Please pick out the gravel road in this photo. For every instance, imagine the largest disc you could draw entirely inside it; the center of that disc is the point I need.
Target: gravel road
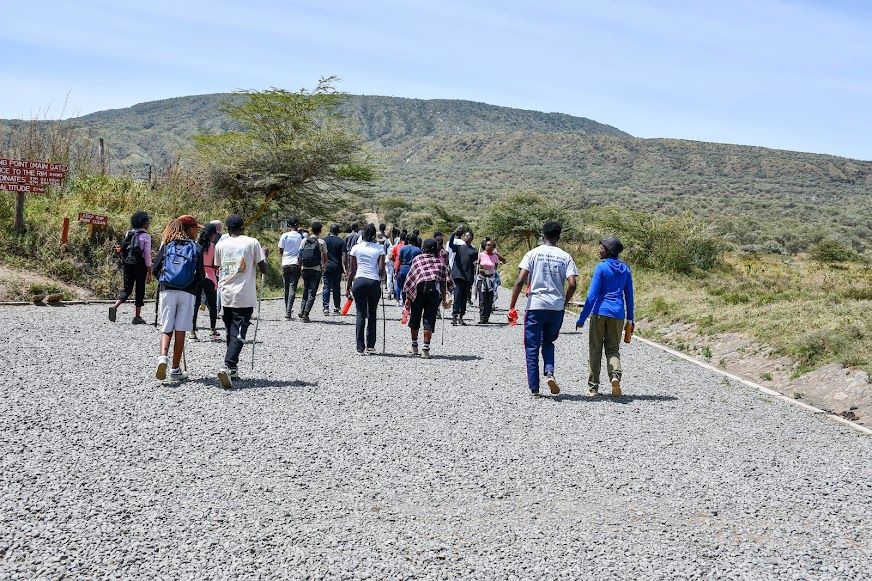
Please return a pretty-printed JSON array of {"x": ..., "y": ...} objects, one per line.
[{"x": 326, "y": 464}]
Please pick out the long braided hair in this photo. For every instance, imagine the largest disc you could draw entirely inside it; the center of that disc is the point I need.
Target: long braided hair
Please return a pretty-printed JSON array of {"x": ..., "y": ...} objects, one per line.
[{"x": 174, "y": 231}]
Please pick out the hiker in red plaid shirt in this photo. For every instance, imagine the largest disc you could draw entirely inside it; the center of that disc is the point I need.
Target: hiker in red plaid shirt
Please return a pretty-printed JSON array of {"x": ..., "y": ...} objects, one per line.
[{"x": 427, "y": 284}]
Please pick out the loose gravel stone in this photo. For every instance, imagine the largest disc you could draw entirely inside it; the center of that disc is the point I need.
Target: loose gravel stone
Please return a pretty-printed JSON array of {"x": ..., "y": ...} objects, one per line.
[{"x": 326, "y": 464}]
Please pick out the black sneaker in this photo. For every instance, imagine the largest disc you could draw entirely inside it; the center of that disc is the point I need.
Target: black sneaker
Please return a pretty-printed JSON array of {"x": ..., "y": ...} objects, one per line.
[
  {"x": 326, "y": 312},
  {"x": 336, "y": 311},
  {"x": 461, "y": 322},
  {"x": 305, "y": 318},
  {"x": 138, "y": 321}
]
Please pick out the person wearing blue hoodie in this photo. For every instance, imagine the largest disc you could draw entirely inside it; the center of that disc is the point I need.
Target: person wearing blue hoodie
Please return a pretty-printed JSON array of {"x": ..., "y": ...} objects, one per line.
[{"x": 609, "y": 302}]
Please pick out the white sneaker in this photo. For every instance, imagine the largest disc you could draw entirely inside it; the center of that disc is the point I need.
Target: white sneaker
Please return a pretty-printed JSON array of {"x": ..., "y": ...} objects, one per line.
[
  {"x": 162, "y": 362},
  {"x": 370, "y": 350},
  {"x": 225, "y": 376},
  {"x": 413, "y": 350},
  {"x": 178, "y": 375}
]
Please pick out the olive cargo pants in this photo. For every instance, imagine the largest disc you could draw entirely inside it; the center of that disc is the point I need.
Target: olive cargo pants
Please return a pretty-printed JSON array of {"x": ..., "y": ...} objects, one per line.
[{"x": 605, "y": 333}]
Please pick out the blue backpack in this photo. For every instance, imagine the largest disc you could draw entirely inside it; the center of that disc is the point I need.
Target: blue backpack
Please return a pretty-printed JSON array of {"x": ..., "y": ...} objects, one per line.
[{"x": 179, "y": 264}]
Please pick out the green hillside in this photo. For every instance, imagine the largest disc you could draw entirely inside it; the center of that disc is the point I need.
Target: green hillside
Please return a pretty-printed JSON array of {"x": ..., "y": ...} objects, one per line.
[{"x": 468, "y": 153}]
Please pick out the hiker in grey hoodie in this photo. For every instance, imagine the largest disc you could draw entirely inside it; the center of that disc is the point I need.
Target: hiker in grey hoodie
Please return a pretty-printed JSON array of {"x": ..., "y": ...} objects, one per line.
[{"x": 609, "y": 302}]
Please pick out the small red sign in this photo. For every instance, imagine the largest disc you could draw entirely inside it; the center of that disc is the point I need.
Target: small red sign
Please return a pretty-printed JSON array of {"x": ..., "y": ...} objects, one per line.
[{"x": 94, "y": 219}]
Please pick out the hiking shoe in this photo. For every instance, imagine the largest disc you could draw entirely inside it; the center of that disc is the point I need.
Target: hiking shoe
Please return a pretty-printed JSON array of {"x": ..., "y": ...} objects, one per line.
[
  {"x": 461, "y": 322},
  {"x": 301, "y": 314},
  {"x": 194, "y": 336},
  {"x": 161, "y": 372},
  {"x": 552, "y": 383},
  {"x": 359, "y": 352},
  {"x": 289, "y": 317},
  {"x": 215, "y": 336},
  {"x": 535, "y": 394},
  {"x": 305, "y": 319},
  {"x": 336, "y": 311},
  {"x": 454, "y": 321},
  {"x": 138, "y": 321},
  {"x": 593, "y": 390},
  {"x": 178, "y": 375},
  {"x": 425, "y": 354},
  {"x": 113, "y": 314},
  {"x": 413, "y": 350},
  {"x": 616, "y": 387},
  {"x": 370, "y": 350},
  {"x": 225, "y": 378},
  {"x": 326, "y": 312}
]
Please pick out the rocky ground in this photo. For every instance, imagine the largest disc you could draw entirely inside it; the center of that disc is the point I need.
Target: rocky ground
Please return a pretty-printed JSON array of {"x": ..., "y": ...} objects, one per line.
[{"x": 326, "y": 464}]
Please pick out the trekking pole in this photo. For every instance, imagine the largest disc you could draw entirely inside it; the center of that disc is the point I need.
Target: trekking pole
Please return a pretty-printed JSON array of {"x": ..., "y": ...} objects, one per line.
[
  {"x": 384, "y": 325},
  {"x": 257, "y": 322},
  {"x": 184, "y": 359},
  {"x": 442, "y": 312},
  {"x": 156, "y": 301}
]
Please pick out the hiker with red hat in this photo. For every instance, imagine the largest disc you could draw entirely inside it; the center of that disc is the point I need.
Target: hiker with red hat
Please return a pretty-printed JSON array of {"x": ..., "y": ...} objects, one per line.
[{"x": 609, "y": 304}]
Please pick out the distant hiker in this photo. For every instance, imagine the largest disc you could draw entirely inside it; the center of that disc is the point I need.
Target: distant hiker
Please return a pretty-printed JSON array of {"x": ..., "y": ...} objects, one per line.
[
  {"x": 487, "y": 280},
  {"x": 334, "y": 269},
  {"x": 546, "y": 268},
  {"x": 179, "y": 269},
  {"x": 427, "y": 284},
  {"x": 236, "y": 257},
  {"x": 383, "y": 239},
  {"x": 407, "y": 254},
  {"x": 208, "y": 237},
  {"x": 313, "y": 261},
  {"x": 364, "y": 283},
  {"x": 135, "y": 255},
  {"x": 290, "y": 244},
  {"x": 394, "y": 259},
  {"x": 609, "y": 302},
  {"x": 462, "y": 271},
  {"x": 439, "y": 237},
  {"x": 351, "y": 238}
]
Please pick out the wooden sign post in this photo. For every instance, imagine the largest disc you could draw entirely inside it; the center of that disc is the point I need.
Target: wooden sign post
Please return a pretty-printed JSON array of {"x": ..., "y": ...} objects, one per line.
[
  {"x": 94, "y": 222},
  {"x": 28, "y": 177}
]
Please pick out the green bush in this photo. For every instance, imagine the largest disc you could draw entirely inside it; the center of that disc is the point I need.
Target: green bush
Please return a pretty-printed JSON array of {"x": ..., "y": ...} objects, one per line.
[{"x": 830, "y": 251}]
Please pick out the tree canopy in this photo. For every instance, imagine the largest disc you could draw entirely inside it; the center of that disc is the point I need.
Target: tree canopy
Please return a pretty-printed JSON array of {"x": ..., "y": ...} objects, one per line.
[
  {"x": 517, "y": 218},
  {"x": 290, "y": 151}
]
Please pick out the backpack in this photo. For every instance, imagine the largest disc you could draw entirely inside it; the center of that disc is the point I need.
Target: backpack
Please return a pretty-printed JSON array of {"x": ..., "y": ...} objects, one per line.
[
  {"x": 310, "y": 253},
  {"x": 179, "y": 264},
  {"x": 131, "y": 252}
]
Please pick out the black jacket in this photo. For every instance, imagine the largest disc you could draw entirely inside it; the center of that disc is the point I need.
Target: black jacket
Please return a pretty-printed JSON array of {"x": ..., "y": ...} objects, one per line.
[{"x": 464, "y": 261}]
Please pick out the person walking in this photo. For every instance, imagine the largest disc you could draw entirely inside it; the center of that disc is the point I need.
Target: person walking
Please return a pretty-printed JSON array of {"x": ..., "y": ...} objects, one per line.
[
  {"x": 364, "y": 283},
  {"x": 487, "y": 280},
  {"x": 208, "y": 237},
  {"x": 427, "y": 284},
  {"x": 334, "y": 270},
  {"x": 313, "y": 262},
  {"x": 546, "y": 268},
  {"x": 609, "y": 302},
  {"x": 236, "y": 257},
  {"x": 290, "y": 244},
  {"x": 394, "y": 259},
  {"x": 135, "y": 254},
  {"x": 352, "y": 237},
  {"x": 410, "y": 250},
  {"x": 179, "y": 269},
  {"x": 439, "y": 237},
  {"x": 462, "y": 271}
]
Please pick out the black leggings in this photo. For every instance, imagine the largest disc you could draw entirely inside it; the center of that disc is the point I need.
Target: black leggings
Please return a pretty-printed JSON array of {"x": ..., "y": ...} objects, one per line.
[
  {"x": 134, "y": 275},
  {"x": 208, "y": 289},
  {"x": 366, "y": 293}
]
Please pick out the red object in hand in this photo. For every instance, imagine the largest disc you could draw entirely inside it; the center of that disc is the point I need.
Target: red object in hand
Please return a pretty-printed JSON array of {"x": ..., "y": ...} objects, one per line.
[
  {"x": 347, "y": 306},
  {"x": 405, "y": 318},
  {"x": 513, "y": 317}
]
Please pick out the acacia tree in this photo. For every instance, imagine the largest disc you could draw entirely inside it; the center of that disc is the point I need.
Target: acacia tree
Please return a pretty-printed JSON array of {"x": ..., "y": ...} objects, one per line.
[
  {"x": 517, "y": 218},
  {"x": 290, "y": 150}
]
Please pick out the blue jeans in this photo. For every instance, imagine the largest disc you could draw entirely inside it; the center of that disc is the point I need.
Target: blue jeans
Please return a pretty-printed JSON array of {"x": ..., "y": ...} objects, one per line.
[
  {"x": 401, "y": 280},
  {"x": 332, "y": 280},
  {"x": 541, "y": 329}
]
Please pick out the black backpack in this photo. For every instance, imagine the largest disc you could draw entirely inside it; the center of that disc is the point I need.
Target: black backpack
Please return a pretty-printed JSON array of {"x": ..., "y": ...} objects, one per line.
[
  {"x": 131, "y": 252},
  {"x": 310, "y": 254}
]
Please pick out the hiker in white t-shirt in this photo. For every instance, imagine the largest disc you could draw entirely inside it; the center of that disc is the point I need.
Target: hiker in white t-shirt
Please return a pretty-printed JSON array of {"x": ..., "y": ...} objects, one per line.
[
  {"x": 290, "y": 244},
  {"x": 237, "y": 256},
  {"x": 546, "y": 268},
  {"x": 364, "y": 283}
]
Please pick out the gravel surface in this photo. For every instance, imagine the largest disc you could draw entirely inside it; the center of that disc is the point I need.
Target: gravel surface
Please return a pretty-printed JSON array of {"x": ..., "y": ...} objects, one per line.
[{"x": 326, "y": 464}]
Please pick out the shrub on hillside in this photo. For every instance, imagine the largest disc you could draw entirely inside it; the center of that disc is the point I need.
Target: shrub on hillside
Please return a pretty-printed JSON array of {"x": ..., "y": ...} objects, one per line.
[
  {"x": 829, "y": 251},
  {"x": 516, "y": 219},
  {"x": 675, "y": 244}
]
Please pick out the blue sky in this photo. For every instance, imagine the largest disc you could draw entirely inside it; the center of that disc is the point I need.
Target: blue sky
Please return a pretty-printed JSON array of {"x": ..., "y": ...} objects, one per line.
[{"x": 792, "y": 75}]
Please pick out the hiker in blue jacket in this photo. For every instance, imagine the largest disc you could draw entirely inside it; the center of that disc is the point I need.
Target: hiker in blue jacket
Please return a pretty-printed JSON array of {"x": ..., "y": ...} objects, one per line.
[{"x": 609, "y": 302}]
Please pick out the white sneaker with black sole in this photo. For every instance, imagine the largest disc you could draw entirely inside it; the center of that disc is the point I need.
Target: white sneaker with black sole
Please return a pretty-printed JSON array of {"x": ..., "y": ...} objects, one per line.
[{"x": 162, "y": 363}]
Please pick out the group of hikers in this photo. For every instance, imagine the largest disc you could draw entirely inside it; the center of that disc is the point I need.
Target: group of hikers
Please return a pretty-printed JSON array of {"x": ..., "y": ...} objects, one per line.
[{"x": 196, "y": 262}]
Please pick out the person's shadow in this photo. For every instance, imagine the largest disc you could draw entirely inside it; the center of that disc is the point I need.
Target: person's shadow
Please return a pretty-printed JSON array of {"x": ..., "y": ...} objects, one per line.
[
  {"x": 258, "y": 383},
  {"x": 606, "y": 398}
]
